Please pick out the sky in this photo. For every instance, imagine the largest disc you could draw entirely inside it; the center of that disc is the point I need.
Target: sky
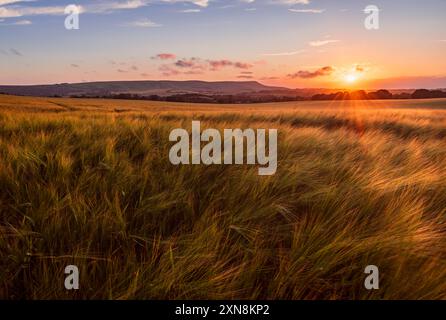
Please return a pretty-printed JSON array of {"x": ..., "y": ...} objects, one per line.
[{"x": 291, "y": 43}]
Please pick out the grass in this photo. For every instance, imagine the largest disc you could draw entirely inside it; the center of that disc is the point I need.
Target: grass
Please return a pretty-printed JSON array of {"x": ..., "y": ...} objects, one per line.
[{"x": 88, "y": 182}]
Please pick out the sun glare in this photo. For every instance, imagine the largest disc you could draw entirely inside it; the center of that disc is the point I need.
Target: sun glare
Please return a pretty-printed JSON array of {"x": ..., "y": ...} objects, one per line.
[{"x": 350, "y": 78}]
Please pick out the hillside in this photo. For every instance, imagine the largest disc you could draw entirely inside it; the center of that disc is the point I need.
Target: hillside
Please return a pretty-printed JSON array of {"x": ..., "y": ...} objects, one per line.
[{"x": 138, "y": 87}]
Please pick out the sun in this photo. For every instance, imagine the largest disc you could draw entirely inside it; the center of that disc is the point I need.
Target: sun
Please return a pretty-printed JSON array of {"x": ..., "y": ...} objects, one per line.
[{"x": 350, "y": 78}]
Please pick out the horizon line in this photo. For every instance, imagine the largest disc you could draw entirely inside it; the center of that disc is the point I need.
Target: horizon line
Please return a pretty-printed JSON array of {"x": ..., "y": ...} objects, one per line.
[{"x": 224, "y": 81}]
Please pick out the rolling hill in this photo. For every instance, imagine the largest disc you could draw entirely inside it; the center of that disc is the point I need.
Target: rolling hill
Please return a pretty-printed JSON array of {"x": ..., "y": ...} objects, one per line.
[{"x": 138, "y": 87}]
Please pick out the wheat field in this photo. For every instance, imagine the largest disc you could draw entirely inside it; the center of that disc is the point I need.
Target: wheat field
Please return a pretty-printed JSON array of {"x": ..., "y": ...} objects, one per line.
[{"x": 89, "y": 183}]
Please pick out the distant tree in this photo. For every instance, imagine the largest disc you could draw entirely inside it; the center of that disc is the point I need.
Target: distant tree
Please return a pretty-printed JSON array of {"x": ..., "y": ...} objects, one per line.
[
  {"x": 427, "y": 94},
  {"x": 421, "y": 94},
  {"x": 380, "y": 94},
  {"x": 342, "y": 95},
  {"x": 438, "y": 94},
  {"x": 359, "y": 95},
  {"x": 402, "y": 96}
]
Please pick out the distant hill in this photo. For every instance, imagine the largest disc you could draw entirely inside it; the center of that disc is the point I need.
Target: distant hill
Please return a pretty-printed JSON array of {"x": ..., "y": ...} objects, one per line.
[
  {"x": 143, "y": 88},
  {"x": 208, "y": 92}
]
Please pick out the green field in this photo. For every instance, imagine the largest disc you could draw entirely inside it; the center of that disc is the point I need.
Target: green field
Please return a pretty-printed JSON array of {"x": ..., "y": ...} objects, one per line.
[{"x": 89, "y": 183}]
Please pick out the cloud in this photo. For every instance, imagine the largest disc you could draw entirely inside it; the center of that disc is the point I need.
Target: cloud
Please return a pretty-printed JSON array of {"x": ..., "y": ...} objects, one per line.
[
  {"x": 242, "y": 65},
  {"x": 20, "y": 9},
  {"x": 190, "y": 11},
  {"x": 15, "y": 52},
  {"x": 74, "y": 65},
  {"x": 168, "y": 70},
  {"x": 291, "y": 2},
  {"x": 320, "y": 43},
  {"x": 304, "y": 74},
  {"x": 22, "y": 23},
  {"x": 143, "y": 23},
  {"x": 131, "y": 4},
  {"x": 245, "y": 77},
  {"x": 16, "y": 23},
  {"x": 218, "y": 64},
  {"x": 101, "y": 7},
  {"x": 185, "y": 63},
  {"x": 200, "y": 3},
  {"x": 198, "y": 66},
  {"x": 164, "y": 56},
  {"x": 193, "y": 72},
  {"x": 307, "y": 10},
  {"x": 16, "y": 12},
  {"x": 110, "y": 6},
  {"x": 5, "y": 2},
  {"x": 193, "y": 63},
  {"x": 280, "y": 54}
]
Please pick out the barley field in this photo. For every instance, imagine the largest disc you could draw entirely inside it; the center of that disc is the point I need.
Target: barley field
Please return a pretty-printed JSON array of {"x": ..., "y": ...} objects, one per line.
[{"x": 89, "y": 183}]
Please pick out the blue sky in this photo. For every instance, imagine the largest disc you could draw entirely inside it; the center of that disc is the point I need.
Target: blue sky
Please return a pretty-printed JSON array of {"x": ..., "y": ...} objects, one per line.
[{"x": 297, "y": 43}]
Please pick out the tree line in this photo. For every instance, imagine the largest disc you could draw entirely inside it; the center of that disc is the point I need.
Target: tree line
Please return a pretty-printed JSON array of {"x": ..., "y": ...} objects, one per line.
[{"x": 264, "y": 98}]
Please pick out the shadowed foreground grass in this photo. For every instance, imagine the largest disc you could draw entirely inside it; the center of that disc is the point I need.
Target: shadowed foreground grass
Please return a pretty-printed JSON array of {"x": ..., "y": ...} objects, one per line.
[{"x": 89, "y": 183}]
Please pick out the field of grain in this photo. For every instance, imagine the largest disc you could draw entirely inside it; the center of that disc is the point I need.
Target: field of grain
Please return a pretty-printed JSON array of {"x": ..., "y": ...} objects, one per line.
[{"x": 89, "y": 183}]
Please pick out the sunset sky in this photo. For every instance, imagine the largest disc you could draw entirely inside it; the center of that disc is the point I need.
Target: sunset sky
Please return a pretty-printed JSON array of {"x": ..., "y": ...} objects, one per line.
[{"x": 293, "y": 43}]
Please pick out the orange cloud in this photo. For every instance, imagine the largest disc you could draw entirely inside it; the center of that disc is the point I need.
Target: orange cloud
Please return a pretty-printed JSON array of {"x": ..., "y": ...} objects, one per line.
[
  {"x": 164, "y": 56},
  {"x": 304, "y": 74}
]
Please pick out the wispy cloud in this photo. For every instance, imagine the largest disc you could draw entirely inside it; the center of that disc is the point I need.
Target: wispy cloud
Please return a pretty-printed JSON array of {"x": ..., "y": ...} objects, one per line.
[
  {"x": 22, "y": 23},
  {"x": 143, "y": 23},
  {"x": 16, "y": 23},
  {"x": 280, "y": 54},
  {"x": 110, "y": 6},
  {"x": 320, "y": 43},
  {"x": 5, "y": 2},
  {"x": 291, "y": 2},
  {"x": 245, "y": 77},
  {"x": 15, "y": 12},
  {"x": 20, "y": 10},
  {"x": 307, "y": 10},
  {"x": 190, "y": 11},
  {"x": 200, "y": 3},
  {"x": 15, "y": 52}
]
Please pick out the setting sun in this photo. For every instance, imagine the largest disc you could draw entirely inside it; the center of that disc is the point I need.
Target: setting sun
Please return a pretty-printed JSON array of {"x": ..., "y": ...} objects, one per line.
[{"x": 350, "y": 78}]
